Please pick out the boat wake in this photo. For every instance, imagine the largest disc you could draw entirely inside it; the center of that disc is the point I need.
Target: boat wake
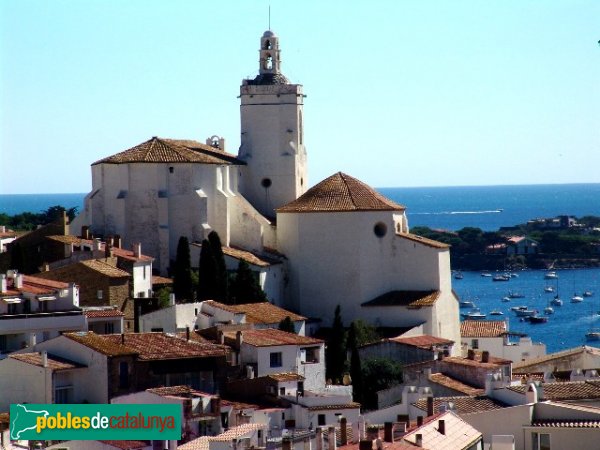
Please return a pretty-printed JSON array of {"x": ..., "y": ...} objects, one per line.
[{"x": 445, "y": 213}]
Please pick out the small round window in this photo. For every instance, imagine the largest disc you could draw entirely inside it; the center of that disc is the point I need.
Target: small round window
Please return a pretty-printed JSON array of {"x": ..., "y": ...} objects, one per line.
[
  {"x": 380, "y": 229},
  {"x": 266, "y": 182}
]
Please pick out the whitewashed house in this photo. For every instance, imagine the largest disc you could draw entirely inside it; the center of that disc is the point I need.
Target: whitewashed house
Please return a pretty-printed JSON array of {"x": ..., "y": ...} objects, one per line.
[{"x": 34, "y": 310}]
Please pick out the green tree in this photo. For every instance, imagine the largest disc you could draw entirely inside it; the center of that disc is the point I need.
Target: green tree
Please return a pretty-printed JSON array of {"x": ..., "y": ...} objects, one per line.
[
  {"x": 221, "y": 279},
  {"x": 287, "y": 324},
  {"x": 182, "y": 272},
  {"x": 245, "y": 287},
  {"x": 378, "y": 374},
  {"x": 163, "y": 296},
  {"x": 207, "y": 270},
  {"x": 365, "y": 333},
  {"x": 335, "y": 352},
  {"x": 355, "y": 364}
]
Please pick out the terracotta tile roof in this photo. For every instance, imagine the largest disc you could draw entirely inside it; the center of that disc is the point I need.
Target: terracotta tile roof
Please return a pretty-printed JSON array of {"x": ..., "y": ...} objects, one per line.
[
  {"x": 458, "y": 435},
  {"x": 285, "y": 376},
  {"x": 36, "y": 285},
  {"x": 104, "y": 268},
  {"x": 533, "y": 362},
  {"x": 352, "y": 405},
  {"x": 409, "y": 299},
  {"x": 462, "y": 404},
  {"x": 249, "y": 257},
  {"x": 55, "y": 363},
  {"x": 99, "y": 313},
  {"x": 158, "y": 150},
  {"x": 449, "y": 382},
  {"x": 423, "y": 341},
  {"x": 423, "y": 240},
  {"x": 130, "y": 255},
  {"x": 179, "y": 391},
  {"x": 238, "y": 406},
  {"x": 573, "y": 423},
  {"x": 70, "y": 239},
  {"x": 265, "y": 313},
  {"x": 127, "y": 445},
  {"x": 493, "y": 362},
  {"x": 482, "y": 328},
  {"x": 270, "y": 337},
  {"x": 396, "y": 445},
  {"x": 570, "y": 390},
  {"x": 202, "y": 443},
  {"x": 148, "y": 346},
  {"x": 161, "y": 280},
  {"x": 341, "y": 192}
]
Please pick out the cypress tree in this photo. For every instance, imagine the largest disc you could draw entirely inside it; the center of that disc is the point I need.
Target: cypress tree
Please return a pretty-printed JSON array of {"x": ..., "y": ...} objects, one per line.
[
  {"x": 207, "y": 270},
  {"x": 245, "y": 287},
  {"x": 220, "y": 280},
  {"x": 287, "y": 324},
  {"x": 355, "y": 364},
  {"x": 17, "y": 257},
  {"x": 182, "y": 272},
  {"x": 335, "y": 353}
]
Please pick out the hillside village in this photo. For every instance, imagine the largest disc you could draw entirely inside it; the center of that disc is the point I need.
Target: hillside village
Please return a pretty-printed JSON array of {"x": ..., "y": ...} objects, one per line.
[{"x": 337, "y": 284}]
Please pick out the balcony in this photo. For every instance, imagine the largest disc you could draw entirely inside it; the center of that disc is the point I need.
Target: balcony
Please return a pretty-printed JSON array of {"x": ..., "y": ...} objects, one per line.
[{"x": 61, "y": 320}]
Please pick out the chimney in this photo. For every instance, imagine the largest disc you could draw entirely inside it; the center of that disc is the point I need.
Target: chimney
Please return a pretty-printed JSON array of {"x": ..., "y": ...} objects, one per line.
[
  {"x": 2, "y": 229},
  {"x": 531, "y": 395},
  {"x": 117, "y": 241},
  {"x": 332, "y": 441},
  {"x": 221, "y": 337},
  {"x": 388, "y": 432},
  {"x": 471, "y": 354},
  {"x": 45, "y": 267},
  {"x": 137, "y": 249},
  {"x": 429, "y": 406},
  {"x": 44, "y": 358},
  {"x": 3, "y": 284},
  {"x": 96, "y": 245},
  {"x": 187, "y": 333},
  {"x": 239, "y": 339},
  {"x": 319, "y": 438},
  {"x": 365, "y": 445},
  {"x": 85, "y": 232},
  {"x": 361, "y": 427},
  {"x": 19, "y": 281},
  {"x": 343, "y": 430},
  {"x": 419, "y": 421},
  {"x": 419, "y": 440},
  {"x": 172, "y": 299},
  {"x": 485, "y": 356},
  {"x": 442, "y": 426}
]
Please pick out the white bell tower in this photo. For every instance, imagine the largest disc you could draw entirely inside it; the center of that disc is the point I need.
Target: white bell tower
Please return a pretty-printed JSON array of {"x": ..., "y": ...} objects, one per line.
[{"x": 272, "y": 143}]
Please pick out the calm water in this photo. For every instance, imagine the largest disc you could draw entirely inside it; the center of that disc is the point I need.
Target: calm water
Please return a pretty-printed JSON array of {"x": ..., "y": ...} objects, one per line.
[
  {"x": 491, "y": 207},
  {"x": 565, "y": 328},
  {"x": 18, "y": 203}
]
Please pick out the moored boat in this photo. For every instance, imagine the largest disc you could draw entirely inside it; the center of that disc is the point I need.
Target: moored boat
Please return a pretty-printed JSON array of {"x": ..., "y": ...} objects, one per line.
[
  {"x": 576, "y": 298},
  {"x": 556, "y": 301},
  {"x": 593, "y": 334},
  {"x": 587, "y": 293},
  {"x": 515, "y": 294},
  {"x": 552, "y": 275},
  {"x": 496, "y": 312},
  {"x": 474, "y": 314},
  {"x": 548, "y": 289},
  {"x": 501, "y": 278},
  {"x": 466, "y": 304},
  {"x": 536, "y": 319}
]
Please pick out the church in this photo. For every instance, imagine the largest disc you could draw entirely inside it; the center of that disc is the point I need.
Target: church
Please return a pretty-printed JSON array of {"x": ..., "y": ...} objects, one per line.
[{"x": 339, "y": 242}]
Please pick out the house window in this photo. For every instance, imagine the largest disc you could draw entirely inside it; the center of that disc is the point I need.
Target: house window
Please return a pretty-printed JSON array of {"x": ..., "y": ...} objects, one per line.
[
  {"x": 540, "y": 441},
  {"x": 123, "y": 375},
  {"x": 282, "y": 391},
  {"x": 275, "y": 359},
  {"x": 475, "y": 344},
  {"x": 321, "y": 420}
]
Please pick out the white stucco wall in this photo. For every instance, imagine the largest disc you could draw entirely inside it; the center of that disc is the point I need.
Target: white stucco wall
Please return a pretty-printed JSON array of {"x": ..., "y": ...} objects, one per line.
[
  {"x": 23, "y": 383},
  {"x": 336, "y": 258},
  {"x": 172, "y": 318}
]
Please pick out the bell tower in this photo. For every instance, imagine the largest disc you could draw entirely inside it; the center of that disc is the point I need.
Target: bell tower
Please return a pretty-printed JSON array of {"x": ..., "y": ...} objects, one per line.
[{"x": 272, "y": 143}]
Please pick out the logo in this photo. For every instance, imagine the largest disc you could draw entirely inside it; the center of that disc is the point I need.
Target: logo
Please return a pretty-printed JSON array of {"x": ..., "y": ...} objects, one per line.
[{"x": 95, "y": 422}]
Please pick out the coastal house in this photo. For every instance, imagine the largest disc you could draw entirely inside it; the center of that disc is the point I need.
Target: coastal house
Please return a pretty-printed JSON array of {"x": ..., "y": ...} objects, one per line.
[
  {"x": 6, "y": 237},
  {"x": 259, "y": 203},
  {"x": 117, "y": 364},
  {"x": 493, "y": 336},
  {"x": 583, "y": 358},
  {"x": 33, "y": 310},
  {"x": 407, "y": 349}
]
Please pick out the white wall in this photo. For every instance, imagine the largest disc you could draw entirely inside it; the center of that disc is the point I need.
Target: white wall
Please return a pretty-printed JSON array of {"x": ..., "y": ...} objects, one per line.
[
  {"x": 172, "y": 318},
  {"x": 23, "y": 383}
]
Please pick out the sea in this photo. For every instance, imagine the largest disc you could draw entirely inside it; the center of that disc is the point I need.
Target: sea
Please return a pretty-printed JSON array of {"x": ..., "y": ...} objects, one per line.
[{"x": 488, "y": 208}]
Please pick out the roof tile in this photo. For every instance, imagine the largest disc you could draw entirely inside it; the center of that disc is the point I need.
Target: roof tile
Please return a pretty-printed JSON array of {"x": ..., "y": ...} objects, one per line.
[
  {"x": 55, "y": 363},
  {"x": 482, "y": 328},
  {"x": 271, "y": 337},
  {"x": 341, "y": 192}
]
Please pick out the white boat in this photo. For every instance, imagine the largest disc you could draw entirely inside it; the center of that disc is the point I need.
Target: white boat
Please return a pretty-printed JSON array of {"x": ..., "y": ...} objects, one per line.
[
  {"x": 556, "y": 301},
  {"x": 506, "y": 299},
  {"x": 548, "y": 289},
  {"x": 587, "y": 293},
  {"x": 501, "y": 278},
  {"x": 576, "y": 299},
  {"x": 466, "y": 304},
  {"x": 458, "y": 276},
  {"x": 486, "y": 274},
  {"x": 525, "y": 312},
  {"x": 548, "y": 310},
  {"x": 512, "y": 294},
  {"x": 474, "y": 314},
  {"x": 518, "y": 308},
  {"x": 496, "y": 313},
  {"x": 552, "y": 275}
]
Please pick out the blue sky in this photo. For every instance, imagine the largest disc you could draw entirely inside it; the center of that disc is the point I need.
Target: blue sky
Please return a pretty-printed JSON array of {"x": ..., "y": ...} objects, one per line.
[{"x": 400, "y": 93}]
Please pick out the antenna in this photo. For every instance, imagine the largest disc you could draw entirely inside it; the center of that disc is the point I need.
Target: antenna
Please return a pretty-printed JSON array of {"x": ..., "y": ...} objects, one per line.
[{"x": 269, "y": 17}]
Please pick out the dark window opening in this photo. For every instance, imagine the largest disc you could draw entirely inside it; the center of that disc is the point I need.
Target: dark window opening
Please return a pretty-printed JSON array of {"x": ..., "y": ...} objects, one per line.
[
  {"x": 123, "y": 375},
  {"x": 266, "y": 183},
  {"x": 275, "y": 359},
  {"x": 380, "y": 229},
  {"x": 171, "y": 169},
  {"x": 321, "y": 420}
]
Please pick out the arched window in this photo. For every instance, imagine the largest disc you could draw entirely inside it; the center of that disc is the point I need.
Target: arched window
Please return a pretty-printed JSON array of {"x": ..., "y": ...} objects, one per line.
[
  {"x": 269, "y": 62},
  {"x": 268, "y": 45}
]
